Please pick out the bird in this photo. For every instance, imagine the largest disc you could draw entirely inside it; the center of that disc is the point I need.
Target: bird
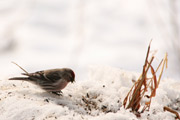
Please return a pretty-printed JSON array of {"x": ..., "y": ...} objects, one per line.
[{"x": 51, "y": 80}]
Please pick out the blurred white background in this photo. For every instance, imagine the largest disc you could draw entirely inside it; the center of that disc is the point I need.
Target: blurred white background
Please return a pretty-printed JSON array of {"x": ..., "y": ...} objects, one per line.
[{"x": 45, "y": 34}]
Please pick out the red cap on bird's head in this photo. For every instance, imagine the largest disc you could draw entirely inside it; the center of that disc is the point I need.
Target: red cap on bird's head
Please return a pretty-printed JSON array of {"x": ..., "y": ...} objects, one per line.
[{"x": 72, "y": 76}]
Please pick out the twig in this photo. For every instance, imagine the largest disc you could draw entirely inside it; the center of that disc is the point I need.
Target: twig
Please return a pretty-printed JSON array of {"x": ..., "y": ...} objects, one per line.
[
  {"x": 172, "y": 111},
  {"x": 20, "y": 67}
]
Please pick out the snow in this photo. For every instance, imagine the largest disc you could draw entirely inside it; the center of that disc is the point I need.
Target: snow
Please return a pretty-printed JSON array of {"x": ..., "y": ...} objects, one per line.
[
  {"x": 104, "y": 90},
  {"x": 109, "y": 36}
]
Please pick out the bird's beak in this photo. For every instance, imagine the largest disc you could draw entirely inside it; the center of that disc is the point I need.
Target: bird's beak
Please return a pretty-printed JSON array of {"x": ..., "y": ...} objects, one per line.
[{"x": 73, "y": 81}]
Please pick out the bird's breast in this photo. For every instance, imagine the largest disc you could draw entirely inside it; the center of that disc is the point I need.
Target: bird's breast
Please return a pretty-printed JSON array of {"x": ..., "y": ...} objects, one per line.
[{"x": 61, "y": 84}]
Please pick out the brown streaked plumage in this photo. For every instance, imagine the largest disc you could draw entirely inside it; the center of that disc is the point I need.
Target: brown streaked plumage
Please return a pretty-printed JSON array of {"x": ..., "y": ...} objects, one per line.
[{"x": 52, "y": 80}]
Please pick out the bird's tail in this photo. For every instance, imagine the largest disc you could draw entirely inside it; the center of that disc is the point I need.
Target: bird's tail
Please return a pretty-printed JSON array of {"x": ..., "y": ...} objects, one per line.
[{"x": 19, "y": 78}]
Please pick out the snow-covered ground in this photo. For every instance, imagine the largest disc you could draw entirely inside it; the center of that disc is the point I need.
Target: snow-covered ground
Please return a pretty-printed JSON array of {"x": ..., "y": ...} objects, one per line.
[
  {"x": 45, "y": 34},
  {"x": 98, "y": 97}
]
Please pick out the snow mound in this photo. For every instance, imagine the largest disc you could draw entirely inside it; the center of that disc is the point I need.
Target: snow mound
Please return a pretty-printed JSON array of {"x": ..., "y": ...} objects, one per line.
[{"x": 98, "y": 97}]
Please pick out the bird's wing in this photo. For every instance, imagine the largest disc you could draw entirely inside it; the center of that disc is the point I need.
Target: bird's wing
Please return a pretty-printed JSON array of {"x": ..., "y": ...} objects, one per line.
[
  {"x": 53, "y": 76},
  {"x": 35, "y": 76}
]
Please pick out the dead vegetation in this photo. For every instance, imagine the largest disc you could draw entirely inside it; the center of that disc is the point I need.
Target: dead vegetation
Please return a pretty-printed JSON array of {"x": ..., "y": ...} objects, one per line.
[
  {"x": 172, "y": 111},
  {"x": 91, "y": 102},
  {"x": 145, "y": 87}
]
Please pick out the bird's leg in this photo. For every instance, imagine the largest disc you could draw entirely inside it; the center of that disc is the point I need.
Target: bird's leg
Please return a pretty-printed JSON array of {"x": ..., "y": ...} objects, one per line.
[{"x": 59, "y": 93}]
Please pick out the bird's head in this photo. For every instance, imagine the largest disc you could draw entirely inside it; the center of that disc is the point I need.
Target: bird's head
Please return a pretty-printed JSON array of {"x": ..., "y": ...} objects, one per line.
[{"x": 70, "y": 74}]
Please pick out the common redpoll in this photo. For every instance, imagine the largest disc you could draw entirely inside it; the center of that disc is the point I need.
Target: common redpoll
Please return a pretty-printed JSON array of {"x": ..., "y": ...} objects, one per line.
[{"x": 53, "y": 80}]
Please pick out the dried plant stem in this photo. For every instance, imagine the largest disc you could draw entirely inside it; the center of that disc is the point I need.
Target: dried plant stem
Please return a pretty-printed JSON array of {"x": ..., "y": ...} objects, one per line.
[
  {"x": 20, "y": 67},
  {"x": 141, "y": 87},
  {"x": 172, "y": 111},
  {"x": 134, "y": 102},
  {"x": 135, "y": 94},
  {"x": 162, "y": 68}
]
